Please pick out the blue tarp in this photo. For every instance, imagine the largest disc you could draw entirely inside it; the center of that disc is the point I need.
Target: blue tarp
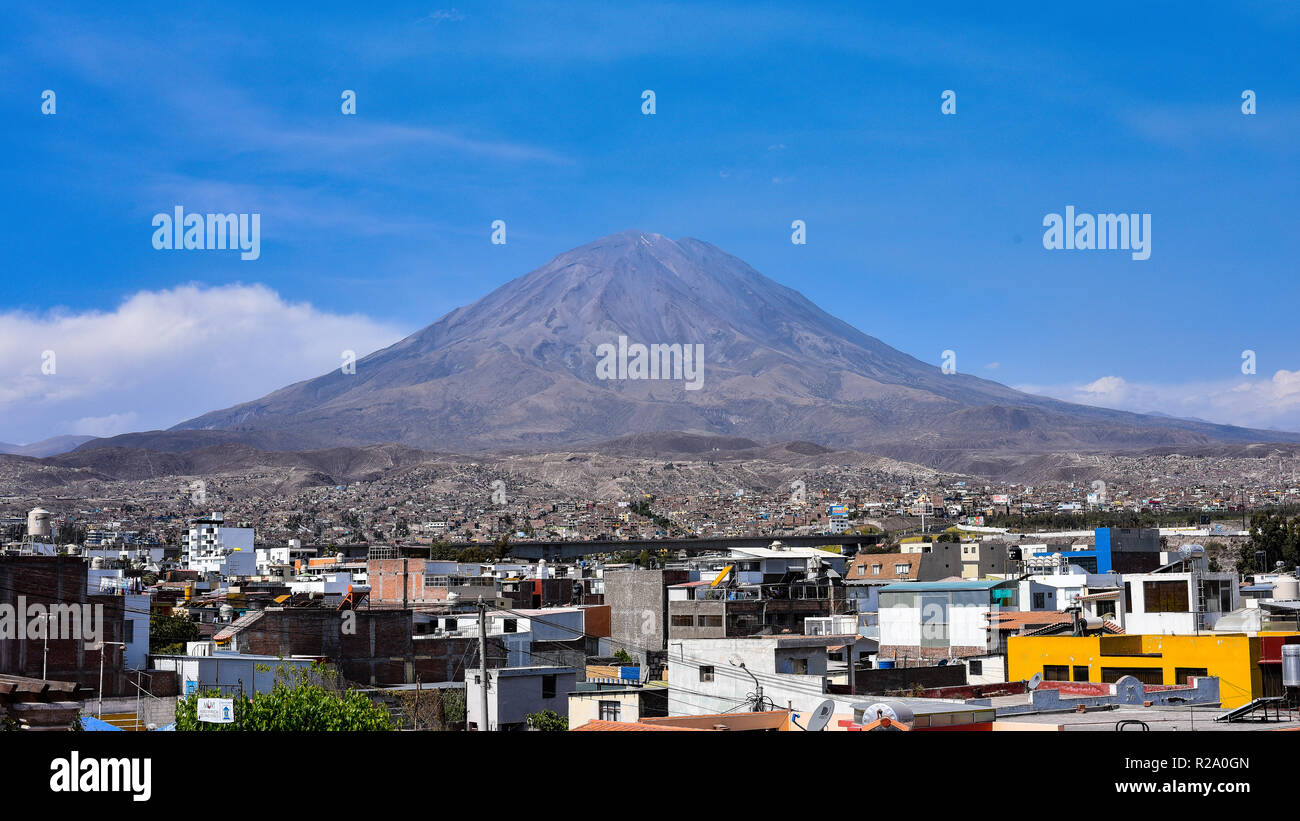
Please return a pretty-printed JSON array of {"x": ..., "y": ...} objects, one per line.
[{"x": 92, "y": 724}]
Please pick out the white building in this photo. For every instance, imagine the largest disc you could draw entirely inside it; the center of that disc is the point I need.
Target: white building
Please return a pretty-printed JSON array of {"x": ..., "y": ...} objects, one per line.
[
  {"x": 208, "y": 533},
  {"x": 710, "y": 676},
  {"x": 136, "y": 606},
  {"x": 1062, "y": 588},
  {"x": 225, "y": 561},
  {"x": 1178, "y": 603},
  {"x": 514, "y": 692}
]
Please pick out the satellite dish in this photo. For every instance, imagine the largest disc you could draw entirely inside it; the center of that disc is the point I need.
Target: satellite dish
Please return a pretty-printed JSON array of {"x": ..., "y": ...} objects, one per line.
[
  {"x": 1035, "y": 681},
  {"x": 821, "y": 716}
]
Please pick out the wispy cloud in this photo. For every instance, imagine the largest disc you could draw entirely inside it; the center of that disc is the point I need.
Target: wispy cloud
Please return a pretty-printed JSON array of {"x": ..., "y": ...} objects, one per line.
[{"x": 1250, "y": 401}]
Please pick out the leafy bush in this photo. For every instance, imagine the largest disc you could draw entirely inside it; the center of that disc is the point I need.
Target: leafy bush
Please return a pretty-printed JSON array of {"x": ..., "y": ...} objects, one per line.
[
  {"x": 300, "y": 700},
  {"x": 547, "y": 721}
]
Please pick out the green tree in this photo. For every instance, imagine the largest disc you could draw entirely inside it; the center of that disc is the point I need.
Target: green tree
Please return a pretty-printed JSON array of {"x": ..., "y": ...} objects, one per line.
[
  {"x": 300, "y": 700},
  {"x": 1277, "y": 537},
  {"x": 170, "y": 632},
  {"x": 547, "y": 721},
  {"x": 624, "y": 657}
]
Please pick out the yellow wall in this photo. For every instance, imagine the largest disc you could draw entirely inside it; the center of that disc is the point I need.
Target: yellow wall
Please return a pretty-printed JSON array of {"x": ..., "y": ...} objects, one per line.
[
  {"x": 1234, "y": 659},
  {"x": 585, "y": 706}
]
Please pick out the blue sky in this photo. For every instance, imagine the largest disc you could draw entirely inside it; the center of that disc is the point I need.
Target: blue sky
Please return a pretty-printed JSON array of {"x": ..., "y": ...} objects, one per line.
[{"x": 924, "y": 230}]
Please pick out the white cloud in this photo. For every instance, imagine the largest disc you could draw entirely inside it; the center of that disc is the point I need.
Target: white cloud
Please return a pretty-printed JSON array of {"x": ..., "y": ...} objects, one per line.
[
  {"x": 165, "y": 356},
  {"x": 1249, "y": 401},
  {"x": 110, "y": 425}
]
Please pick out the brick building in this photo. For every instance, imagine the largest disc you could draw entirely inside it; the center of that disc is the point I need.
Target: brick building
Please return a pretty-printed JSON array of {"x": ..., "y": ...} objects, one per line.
[{"x": 39, "y": 582}]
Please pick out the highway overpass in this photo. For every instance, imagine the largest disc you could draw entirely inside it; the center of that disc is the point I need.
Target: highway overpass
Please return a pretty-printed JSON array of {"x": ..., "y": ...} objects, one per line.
[{"x": 562, "y": 550}]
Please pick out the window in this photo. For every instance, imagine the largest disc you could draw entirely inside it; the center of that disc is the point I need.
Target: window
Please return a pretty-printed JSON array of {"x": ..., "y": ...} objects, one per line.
[
  {"x": 1146, "y": 675},
  {"x": 1080, "y": 672},
  {"x": 976, "y": 667},
  {"x": 1040, "y": 601},
  {"x": 1181, "y": 674},
  {"x": 548, "y": 686},
  {"x": 449, "y": 625},
  {"x": 510, "y": 626},
  {"x": 1056, "y": 672},
  {"x": 902, "y": 570},
  {"x": 934, "y": 620},
  {"x": 609, "y": 710},
  {"x": 706, "y": 672},
  {"x": 1165, "y": 597},
  {"x": 682, "y": 621},
  {"x": 876, "y": 568},
  {"x": 710, "y": 621}
]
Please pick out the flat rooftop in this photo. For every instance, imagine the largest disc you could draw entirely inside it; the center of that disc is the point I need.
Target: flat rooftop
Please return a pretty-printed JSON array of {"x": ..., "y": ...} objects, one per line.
[{"x": 1181, "y": 718}]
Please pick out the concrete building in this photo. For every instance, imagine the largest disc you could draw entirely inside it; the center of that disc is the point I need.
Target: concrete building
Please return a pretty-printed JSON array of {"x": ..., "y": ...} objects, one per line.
[
  {"x": 514, "y": 692},
  {"x": 969, "y": 559},
  {"x": 594, "y": 701},
  {"x": 39, "y": 593},
  {"x": 135, "y": 612},
  {"x": 207, "y": 534},
  {"x": 698, "y": 610},
  {"x": 1062, "y": 588},
  {"x": 638, "y": 610},
  {"x": 707, "y": 676},
  {"x": 929, "y": 621},
  {"x": 226, "y": 672},
  {"x": 419, "y": 582},
  {"x": 1154, "y": 660},
  {"x": 1116, "y": 550}
]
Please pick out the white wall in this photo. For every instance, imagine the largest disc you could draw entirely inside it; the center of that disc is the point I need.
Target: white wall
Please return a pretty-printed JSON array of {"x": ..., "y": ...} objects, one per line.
[{"x": 731, "y": 685}]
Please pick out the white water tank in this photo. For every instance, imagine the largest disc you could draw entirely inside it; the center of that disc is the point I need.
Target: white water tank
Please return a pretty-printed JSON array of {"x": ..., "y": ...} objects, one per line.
[
  {"x": 1286, "y": 588},
  {"x": 38, "y": 523}
]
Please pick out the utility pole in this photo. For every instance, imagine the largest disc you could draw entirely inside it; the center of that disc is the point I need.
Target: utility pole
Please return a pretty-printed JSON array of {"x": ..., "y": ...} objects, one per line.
[
  {"x": 45, "y": 657},
  {"x": 121, "y": 644},
  {"x": 482, "y": 665}
]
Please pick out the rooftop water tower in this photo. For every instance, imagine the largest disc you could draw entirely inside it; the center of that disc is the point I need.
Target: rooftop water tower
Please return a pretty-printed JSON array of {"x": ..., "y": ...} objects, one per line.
[{"x": 38, "y": 524}]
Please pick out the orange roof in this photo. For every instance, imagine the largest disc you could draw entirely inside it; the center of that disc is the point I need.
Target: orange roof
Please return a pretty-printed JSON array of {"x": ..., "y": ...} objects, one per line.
[
  {"x": 772, "y": 720},
  {"x": 627, "y": 726},
  {"x": 1017, "y": 619}
]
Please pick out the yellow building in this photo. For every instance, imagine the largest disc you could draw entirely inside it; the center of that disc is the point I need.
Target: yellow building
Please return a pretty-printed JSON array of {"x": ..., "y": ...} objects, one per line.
[{"x": 1151, "y": 659}]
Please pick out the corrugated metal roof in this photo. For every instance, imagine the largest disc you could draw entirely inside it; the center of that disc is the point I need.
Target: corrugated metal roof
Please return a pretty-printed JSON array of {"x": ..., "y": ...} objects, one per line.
[
  {"x": 227, "y": 633},
  {"x": 962, "y": 585}
]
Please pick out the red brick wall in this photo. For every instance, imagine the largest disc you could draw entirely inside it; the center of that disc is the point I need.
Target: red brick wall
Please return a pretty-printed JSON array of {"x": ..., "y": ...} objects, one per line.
[
  {"x": 376, "y": 652},
  {"x": 49, "y": 580}
]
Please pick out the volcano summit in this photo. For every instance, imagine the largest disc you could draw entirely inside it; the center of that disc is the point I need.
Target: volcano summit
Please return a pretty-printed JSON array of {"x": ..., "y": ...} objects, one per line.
[{"x": 519, "y": 369}]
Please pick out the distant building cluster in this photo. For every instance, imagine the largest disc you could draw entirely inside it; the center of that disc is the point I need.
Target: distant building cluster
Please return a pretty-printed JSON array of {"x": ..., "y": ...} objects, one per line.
[{"x": 971, "y": 627}]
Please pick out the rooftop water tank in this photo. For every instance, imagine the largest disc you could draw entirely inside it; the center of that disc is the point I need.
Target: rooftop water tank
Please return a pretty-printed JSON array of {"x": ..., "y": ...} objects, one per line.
[
  {"x": 38, "y": 522},
  {"x": 1291, "y": 665},
  {"x": 1286, "y": 588}
]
